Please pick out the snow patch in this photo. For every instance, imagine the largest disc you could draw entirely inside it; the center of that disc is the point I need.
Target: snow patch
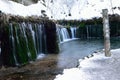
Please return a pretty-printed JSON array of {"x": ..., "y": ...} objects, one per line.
[
  {"x": 90, "y": 68},
  {"x": 40, "y": 56}
]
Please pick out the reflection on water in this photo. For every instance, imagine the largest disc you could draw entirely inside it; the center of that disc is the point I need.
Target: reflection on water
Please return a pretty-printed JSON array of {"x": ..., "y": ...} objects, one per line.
[
  {"x": 71, "y": 51},
  {"x": 115, "y": 43}
]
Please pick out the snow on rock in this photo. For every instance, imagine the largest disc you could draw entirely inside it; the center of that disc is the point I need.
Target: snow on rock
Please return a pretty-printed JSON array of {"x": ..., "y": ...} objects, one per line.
[
  {"x": 11, "y": 7},
  {"x": 63, "y": 9},
  {"x": 97, "y": 67}
]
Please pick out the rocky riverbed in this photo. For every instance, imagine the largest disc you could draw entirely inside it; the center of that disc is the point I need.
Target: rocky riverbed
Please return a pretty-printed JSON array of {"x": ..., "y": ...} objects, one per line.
[{"x": 44, "y": 69}]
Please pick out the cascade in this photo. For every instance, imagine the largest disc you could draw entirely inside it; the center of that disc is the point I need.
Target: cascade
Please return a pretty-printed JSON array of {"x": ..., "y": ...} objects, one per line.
[
  {"x": 93, "y": 31},
  {"x": 66, "y": 34},
  {"x": 26, "y": 39},
  {"x": 40, "y": 38},
  {"x": 32, "y": 33},
  {"x": 27, "y": 42},
  {"x": 12, "y": 40},
  {"x": 88, "y": 31},
  {"x": 73, "y": 32},
  {"x": 23, "y": 26},
  {"x": 62, "y": 34}
]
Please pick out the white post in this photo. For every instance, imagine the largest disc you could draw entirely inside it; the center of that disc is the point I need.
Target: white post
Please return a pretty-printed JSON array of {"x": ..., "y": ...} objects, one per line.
[{"x": 106, "y": 31}]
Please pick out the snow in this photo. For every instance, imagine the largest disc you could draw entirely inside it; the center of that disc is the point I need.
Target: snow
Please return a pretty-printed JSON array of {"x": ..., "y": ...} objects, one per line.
[
  {"x": 97, "y": 67},
  {"x": 14, "y": 8},
  {"x": 41, "y": 56},
  {"x": 60, "y": 9}
]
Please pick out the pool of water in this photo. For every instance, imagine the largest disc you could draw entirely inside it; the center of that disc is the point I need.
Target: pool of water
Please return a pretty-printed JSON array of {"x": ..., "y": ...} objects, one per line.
[{"x": 71, "y": 51}]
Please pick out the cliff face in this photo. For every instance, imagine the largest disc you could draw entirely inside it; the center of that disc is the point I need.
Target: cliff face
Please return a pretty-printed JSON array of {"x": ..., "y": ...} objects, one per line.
[{"x": 23, "y": 39}]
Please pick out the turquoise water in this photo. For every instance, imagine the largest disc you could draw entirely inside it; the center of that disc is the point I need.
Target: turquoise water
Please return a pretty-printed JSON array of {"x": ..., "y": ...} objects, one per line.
[{"x": 71, "y": 51}]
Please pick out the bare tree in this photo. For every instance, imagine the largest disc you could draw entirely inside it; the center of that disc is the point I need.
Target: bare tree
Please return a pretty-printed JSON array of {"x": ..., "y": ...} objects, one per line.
[{"x": 106, "y": 31}]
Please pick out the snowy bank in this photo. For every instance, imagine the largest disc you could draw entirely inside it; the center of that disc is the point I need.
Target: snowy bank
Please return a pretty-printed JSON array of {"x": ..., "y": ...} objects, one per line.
[
  {"x": 11, "y": 7},
  {"x": 97, "y": 67},
  {"x": 63, "y": 9}
]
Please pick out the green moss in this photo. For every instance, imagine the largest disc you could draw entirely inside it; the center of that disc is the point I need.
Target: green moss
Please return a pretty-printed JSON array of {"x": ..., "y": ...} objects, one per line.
[
  {"x": 31, "y": 44},
  {"x": 21, "y": 48},
  {"x": 82, "y": 24},
  {"x": 24, "y": 50},
  {"x": 7, "y": 50},
  {"x": 68, "y": 25},
  {"x": 10, "y": 56}
]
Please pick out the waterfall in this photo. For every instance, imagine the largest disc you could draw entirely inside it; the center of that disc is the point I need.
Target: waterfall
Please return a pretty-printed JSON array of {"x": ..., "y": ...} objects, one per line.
[
  {"x": 40, "y": 38},
  {"x": 73, "y": 32},
  {"x": 66, "y": 34},
  {"x": 63, "y": 34},
  {"x": 33, "y": 33},
  {"x": 87, "y": 29},
  {"x": 23, "y": 26},
  {"x": 59, "y": 34},
  {"x": 26, "y": 39},
  {"x": 12, "y": 39},
  {"x": 28, "y": 42},
  {"x": 94, "y": 31}
]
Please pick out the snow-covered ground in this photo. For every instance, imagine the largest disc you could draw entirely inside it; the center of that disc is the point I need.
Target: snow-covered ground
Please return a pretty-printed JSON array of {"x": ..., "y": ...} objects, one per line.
[
  {"x": 97, "y": 67},
  {"x": 63, "y": 9},
  {"x": 19, "y": 9}
]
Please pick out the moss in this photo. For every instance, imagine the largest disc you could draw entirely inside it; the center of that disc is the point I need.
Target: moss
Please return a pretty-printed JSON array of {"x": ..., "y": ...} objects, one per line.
[
  {"x": 82, "y": 24},
  {"x": 6, "y": 52},
  {"x": 68, "y": 25},
  {"x": 21, "y": 48},
  {"x": 31, "y": 44}
]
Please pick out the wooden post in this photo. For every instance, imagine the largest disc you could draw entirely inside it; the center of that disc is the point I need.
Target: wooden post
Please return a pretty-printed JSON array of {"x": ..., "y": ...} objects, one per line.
[{"x": 106, "y": 31}]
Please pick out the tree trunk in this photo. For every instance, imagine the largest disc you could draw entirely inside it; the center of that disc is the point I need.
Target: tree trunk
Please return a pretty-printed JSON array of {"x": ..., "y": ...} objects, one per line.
[{"x": 106, "y": 31}]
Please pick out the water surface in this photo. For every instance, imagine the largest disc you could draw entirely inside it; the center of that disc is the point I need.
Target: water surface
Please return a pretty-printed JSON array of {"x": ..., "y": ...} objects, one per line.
[{"x": 71, "y": 51}]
